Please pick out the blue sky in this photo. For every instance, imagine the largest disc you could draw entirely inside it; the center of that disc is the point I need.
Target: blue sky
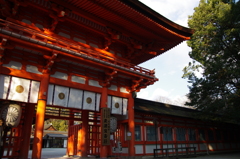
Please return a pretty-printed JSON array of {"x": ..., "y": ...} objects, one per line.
[{"x": 168, "y": 66}]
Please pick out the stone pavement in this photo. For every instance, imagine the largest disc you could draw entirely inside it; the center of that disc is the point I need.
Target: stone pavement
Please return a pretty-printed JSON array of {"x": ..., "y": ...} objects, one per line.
[{"x": 59, "y": 153}]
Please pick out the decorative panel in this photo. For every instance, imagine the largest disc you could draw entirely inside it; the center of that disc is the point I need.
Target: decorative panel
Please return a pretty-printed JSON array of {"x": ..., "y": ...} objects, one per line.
[
  {"x": 89, "y": 100},
  {"x": 19, "y": 89},
  {"x": 61, "y": 96},
  {"x": 116, "y": 105}
]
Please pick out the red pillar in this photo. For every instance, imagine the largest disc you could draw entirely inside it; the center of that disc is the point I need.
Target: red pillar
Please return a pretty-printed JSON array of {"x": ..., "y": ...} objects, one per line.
[
  {"x": 41, "y": 108},
  {"x": 131, "y": 126},
  {"x": 84, "y": 133},
  {"x": 71, "y": 135},
  {"x": 27, "y": 127},
  {"x": 103, "y": 148}
]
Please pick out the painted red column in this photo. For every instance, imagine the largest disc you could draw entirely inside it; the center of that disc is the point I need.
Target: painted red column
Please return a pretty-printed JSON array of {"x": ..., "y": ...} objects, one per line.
[
  {"x": 70, "y": 143},
  {"x": 85, "y": 114},
  {"x": 103, "y": 148},
  {"x": 131, "y": 126},
  {"x": 26, "y": 131},
  {"x": 41, "y": 108}
]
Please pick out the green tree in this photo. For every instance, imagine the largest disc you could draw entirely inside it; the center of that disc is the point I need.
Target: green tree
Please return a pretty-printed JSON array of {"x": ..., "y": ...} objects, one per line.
[
  {"x": 60, "y": 125},
  {"x": 216, "y": 48}
]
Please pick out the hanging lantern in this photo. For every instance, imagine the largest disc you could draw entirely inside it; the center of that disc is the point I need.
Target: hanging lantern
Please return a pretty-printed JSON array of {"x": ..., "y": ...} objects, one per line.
[{"x": 113, "y": 124}]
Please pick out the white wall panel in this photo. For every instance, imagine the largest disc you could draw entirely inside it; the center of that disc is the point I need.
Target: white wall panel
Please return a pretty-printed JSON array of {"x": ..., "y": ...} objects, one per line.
[
  {"x": 78, "y": 79},
  {"x": 203, "y": 146},
  {"x": 33, "y": 69},
  {"x": 94, "y": 83},
  {"x": 149, "y": 148},
  {"x": 139, "y": 149},
  {"x": 14, "y": 65},
  {"x": 4, "y": 85},
  {"x": 125, "y": 104},
  {"x": 109, "y": 102},
  {"x": 61, "y": 96},
  {"x": 19, "y": 89},
  {"x": 98, "y": 101},
  {"x": 50, "y": 94},
  {"x": 34, "y": 92},
  {"x": 75, "y": 98},
  {"x": 60, "y": 75},
  {"x": 116, "y": 105},
  {"x": 89, "y": 105}
]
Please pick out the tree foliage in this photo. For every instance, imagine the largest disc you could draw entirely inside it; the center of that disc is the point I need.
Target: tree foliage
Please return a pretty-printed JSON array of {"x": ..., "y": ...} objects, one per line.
[
  {"x": 60, "y": 125},
  {"x": 216, "y": 48}
]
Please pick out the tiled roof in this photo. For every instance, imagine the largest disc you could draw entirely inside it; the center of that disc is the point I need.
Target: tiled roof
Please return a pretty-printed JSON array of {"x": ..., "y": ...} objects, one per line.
[{"x": 152, "y": 107}]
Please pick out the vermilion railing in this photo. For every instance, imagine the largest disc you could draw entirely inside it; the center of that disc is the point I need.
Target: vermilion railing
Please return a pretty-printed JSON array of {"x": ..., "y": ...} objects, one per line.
[{"x": 73, "y": 46}]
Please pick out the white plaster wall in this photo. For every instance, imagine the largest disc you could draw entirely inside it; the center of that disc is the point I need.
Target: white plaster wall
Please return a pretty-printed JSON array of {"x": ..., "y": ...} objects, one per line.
[
  {"x": 220, "y": 146},
  {"x": 203, "y": 146},
  {"x": 139, "y": 149},
  {"x": 149, "y": 148},
  {"x": 14, "y": 65},
  {"x": 60, "y": 75}
]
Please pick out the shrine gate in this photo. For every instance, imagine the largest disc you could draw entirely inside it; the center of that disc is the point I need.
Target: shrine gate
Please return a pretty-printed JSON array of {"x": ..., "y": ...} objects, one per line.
[{"x": 78, "y": 61}]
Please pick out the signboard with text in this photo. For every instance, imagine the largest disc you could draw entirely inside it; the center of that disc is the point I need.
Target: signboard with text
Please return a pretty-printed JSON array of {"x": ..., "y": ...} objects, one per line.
[{"x": 105, "y": 126}]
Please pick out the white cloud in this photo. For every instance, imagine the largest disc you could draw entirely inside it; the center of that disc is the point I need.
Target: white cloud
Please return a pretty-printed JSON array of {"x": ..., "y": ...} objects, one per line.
[
  {"x": 144, "y": 94},
  {"x": 175, "y": 10},
  {"x": 170, "y": 64}
]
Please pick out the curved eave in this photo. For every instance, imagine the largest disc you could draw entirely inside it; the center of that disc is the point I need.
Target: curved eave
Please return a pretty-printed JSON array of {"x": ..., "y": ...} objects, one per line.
[
  {"x": 158, "y": 18},
  {"x": 132, "y": 19}
]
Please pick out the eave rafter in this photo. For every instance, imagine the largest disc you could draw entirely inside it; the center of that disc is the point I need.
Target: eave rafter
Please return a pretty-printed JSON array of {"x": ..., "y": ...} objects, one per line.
[{"x": 113, "y": 32}]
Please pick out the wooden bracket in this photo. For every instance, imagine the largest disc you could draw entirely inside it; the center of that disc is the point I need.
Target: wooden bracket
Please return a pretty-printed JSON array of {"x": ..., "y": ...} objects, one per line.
[
  {"x": 9, "y": 10},
  {"x": 3, "y": 45},
  {"x": 140, "y": 84},
  {"x": 136, "y": 44},
  {"x": 57, "y": 13},
  {"x": 111, "y": 36},
  {"x": 136, "y": 84},
  {"x": 109, "y": 77},
  {"x": 51, "y": 60}
]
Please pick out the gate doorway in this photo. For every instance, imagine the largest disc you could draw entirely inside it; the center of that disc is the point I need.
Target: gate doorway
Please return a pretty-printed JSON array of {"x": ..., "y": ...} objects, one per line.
[{"x": 92, "y": 141}]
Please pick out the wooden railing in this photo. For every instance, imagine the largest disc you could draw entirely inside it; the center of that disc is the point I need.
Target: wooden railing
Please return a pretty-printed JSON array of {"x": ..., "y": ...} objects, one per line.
[
  {"x": 72, "y": 45},
  {"x": 175, "y": 151}
]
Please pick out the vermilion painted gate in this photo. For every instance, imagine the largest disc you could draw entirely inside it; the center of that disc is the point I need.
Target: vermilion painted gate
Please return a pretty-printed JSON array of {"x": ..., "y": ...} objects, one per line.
[{"x": 75, "y": 137}]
